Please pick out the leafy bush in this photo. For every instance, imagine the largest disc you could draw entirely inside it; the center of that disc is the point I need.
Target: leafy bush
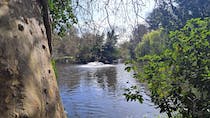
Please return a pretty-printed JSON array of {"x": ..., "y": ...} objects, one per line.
[{"x": 179, "y": 78}]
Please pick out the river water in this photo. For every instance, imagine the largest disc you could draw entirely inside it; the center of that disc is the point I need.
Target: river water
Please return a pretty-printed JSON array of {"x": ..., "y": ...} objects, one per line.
[{"x": 97, "y": 92}]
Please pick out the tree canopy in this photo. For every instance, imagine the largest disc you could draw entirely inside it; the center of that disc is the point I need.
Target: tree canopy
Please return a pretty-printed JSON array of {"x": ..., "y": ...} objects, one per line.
[
  {"x": 173, "y": 15},
  {"x": 179, "y": 77},
  {"x": 62, "y": 15},
  {"x": 153, "y": 42}
]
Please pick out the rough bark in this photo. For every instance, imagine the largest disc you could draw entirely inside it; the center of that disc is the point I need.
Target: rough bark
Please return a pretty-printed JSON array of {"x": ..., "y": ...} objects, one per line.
[
  {"x": 28, "y": 87},
  {"x": 46, "y": 20}
]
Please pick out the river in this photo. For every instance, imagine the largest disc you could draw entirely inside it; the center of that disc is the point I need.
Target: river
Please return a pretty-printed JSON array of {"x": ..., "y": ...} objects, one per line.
[{"x": 97, "y": 92}]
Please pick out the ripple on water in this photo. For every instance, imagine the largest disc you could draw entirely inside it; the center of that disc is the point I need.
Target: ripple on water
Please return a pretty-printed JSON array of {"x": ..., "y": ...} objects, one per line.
[{"x": 89, "y": 92}]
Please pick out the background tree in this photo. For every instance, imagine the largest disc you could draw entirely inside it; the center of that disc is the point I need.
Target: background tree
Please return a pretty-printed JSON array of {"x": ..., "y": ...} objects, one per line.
[
  {"x": 153, "y": 42},
  {"x": 97, "y": 48},
  {"x": 91, "y": 48},
  {"x": 162, "y": 17},
  {"x": 87, "y": 48},
  {"x": 124, "y": 52},
  {"x": 67, "y": 47},
  {"x": 109, "y": 49},
  {"x": 173, "y": 15},
  {"x": 87, "y": 41},
  {"x": 136, "y": 37}
]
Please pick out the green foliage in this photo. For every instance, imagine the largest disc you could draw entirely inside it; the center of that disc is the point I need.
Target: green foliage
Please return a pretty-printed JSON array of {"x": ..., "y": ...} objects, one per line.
[
  {"x": 98, "y": 48},
  {"x": 95, "y": 49},
  {"x": 137, "y": 34},
  {"x": 67, "y": 47},
  {"x": 110, "y": 52},
  {"x": 152, "y": 43},
  {"x": 85, "y": 54},
  {"x": 62, "y": 15},
  {"x": 124, "y": 52},
  {"x": 90, "y": 47},
  {"x": 85, "y": 46},
  {"x": 133, "y": 94},
  {"x": 172, "y": 15},
  {"x": 179, "y": 78},
  {"x": 162, "y": 17}
]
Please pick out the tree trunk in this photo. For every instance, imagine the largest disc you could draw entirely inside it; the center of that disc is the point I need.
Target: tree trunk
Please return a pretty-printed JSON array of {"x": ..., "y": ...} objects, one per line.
[{"x": 28, "y": 87}]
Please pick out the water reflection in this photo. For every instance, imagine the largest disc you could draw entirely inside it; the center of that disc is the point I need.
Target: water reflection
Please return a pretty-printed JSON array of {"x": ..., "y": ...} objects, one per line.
[
  {"x": 98, "y": 93},
  {"x": 106, "y": 78}
]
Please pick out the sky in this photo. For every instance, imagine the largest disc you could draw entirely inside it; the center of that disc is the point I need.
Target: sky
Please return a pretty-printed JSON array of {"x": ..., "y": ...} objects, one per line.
[{"x": 99, "y": 16}]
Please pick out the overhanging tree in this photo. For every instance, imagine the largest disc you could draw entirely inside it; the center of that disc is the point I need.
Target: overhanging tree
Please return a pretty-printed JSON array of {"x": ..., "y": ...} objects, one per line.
[{"x": 179, "y": 78}]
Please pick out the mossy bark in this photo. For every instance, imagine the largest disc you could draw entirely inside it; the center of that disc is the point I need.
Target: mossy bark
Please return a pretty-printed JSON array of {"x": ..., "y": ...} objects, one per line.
[{"x": 28, "y": 87}]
